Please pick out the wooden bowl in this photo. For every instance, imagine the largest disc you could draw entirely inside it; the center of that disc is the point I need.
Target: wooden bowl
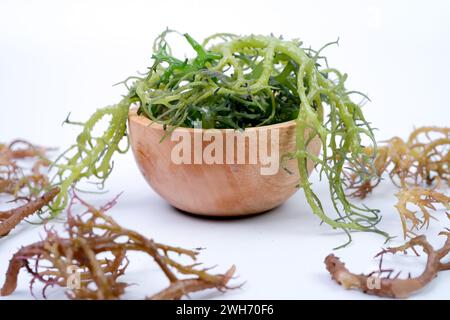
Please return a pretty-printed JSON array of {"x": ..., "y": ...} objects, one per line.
[{"x": 218, "y": 189}]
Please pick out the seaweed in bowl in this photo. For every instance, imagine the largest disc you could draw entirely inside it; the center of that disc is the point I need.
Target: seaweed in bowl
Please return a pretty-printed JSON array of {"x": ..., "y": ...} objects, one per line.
[{"x": 241, "y": 82}]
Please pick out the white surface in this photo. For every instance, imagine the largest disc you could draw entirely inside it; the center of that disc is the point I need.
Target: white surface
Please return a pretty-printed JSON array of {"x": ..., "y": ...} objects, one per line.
[{"x": 59, "y": 56}]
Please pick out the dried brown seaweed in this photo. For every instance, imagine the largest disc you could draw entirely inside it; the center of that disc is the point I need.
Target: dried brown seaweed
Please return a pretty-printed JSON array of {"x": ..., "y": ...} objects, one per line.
[
  {"x": 95, "y": 249},
  {"x": 21, "y": 178},
  {"x": 11, "y": 218},
  {"x": 424, "y": 159},
  {"x": 381, "y": 282},
  {"x": 425, "y": 200},
  {"x": 18, "y": 177}
]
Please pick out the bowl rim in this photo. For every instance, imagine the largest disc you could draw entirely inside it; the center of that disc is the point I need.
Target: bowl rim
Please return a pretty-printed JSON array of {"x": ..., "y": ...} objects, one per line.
[{"x": 142, "y": 120}]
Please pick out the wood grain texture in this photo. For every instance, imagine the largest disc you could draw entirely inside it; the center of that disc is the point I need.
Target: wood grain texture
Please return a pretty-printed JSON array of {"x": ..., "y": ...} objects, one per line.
[{"x": 214, "y": 189}]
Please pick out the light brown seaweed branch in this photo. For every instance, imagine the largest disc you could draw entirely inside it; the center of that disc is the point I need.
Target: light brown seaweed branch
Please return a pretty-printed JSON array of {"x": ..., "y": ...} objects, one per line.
[
  {"x": 425, "y": 200},
  {"x": 97, "y": 247},
  {"x": 379, "y": 284},
  {"x": 19, "y": 178},
  {"x": 423, "y": 159},
  {"x": 11, "y": 218}
]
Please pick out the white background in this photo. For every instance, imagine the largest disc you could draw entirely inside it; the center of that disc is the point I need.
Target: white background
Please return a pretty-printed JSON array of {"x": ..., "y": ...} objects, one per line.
[{"x": 58, "y": 57}]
